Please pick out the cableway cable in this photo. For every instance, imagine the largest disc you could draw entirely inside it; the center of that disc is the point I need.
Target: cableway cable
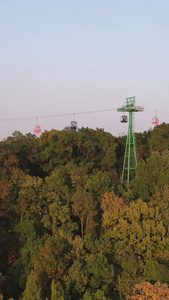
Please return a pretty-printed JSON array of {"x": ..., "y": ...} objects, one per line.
[
  {"x": 148, "y": 110},
  {"x": 55, "y": 116}
]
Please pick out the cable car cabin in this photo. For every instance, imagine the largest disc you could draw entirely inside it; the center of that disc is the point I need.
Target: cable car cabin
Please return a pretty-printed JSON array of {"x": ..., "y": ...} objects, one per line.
[
  {"x": 123, "y": 119},
  {"x": 155, "y": 121},
  {"x": 73, "y": 125},
  {"x": 37, "y": 129}
]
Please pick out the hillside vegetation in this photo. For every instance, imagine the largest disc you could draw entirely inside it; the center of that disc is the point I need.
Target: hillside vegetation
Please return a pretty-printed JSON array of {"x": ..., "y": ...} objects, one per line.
[{"x": 69, "y": 231}]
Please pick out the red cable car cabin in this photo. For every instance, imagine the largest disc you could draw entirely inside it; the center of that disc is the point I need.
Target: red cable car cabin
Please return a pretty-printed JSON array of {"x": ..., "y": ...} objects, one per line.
[
  {"x": 155, "y": 121},
  {"x": 37, "y": 129}
]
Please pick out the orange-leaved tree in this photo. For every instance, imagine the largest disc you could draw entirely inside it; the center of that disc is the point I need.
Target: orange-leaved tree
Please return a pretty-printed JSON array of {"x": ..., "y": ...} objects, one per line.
[{"x": 146, "y": 290}]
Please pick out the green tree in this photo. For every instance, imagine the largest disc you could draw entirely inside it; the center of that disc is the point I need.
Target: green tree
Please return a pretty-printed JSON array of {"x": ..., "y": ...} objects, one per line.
[
  {"x": 33, "y": 290},
  {"x": 57, "y": 218},
  {"x": 99, "y": 295},
  {"x": 142, "y": 228},
  {"x": 27, "y": 244},
  {"x": 26, "y": 148},
  {"x": 160, "y": 200},
  {"x": 101, "y": 274},
  {"x": 53, "y": 260},
  {"x": 98, "y": 183},
  {"x": 58, "y": 182},
  {"x": 138, "y": 234},
  {"x": 57, "y": 292},
  {"x": 83, "y": 207},
  {"x": 86, "y": 148},
  {"x": 30, "y": 200},
  {"x": 113, "y": 208},
  {"x": 151, "y": 175},
  {"x": 159, "y": 140},
  {"x": 76, "y": 279},
  {"x": 60, "y": 148}
]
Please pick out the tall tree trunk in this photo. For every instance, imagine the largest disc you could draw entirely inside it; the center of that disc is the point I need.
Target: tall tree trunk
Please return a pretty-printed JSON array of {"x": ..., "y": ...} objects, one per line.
[{"x": 81, "y": 221}]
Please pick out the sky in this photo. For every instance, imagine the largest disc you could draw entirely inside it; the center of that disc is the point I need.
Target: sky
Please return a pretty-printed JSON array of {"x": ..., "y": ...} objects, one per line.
[{"x": 60, "y": 58}]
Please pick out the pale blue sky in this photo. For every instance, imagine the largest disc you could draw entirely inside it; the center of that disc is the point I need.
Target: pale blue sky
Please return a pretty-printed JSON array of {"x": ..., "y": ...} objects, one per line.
[{"x": 70, "y": 56}]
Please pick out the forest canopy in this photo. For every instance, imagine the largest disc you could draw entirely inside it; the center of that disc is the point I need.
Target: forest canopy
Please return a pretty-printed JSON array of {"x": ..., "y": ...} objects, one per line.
[{"x": 69, "y": 230}]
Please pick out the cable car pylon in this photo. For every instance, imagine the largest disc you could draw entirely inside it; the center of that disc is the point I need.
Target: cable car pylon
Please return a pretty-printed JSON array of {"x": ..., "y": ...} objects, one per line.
[{"x": 130, "y": 156}]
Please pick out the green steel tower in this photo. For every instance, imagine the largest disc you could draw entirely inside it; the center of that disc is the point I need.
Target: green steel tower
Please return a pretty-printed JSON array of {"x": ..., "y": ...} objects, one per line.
[{"x": 130, "y": 156}]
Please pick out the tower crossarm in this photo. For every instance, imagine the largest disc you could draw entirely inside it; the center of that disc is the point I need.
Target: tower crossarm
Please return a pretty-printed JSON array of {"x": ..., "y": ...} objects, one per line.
[
  {"x": 130, "y": 106},
  {"x": 130, "y": 109}
]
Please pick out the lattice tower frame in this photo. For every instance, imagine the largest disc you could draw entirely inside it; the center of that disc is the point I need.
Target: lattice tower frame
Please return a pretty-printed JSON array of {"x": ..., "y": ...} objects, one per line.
[{"x": 130, "y": 155}]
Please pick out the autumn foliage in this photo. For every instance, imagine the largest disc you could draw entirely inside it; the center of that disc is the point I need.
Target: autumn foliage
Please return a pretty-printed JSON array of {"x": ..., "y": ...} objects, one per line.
[{"x": 146, "y": 290}]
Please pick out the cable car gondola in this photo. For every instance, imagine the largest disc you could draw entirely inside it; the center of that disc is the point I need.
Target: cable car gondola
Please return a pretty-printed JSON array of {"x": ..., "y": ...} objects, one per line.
[
  {"x": 155, "y": 121},
  {"x": 123, "y": 119},
  {"x": 37, "y": 129},
  {"x": 73, "y": 125}
]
